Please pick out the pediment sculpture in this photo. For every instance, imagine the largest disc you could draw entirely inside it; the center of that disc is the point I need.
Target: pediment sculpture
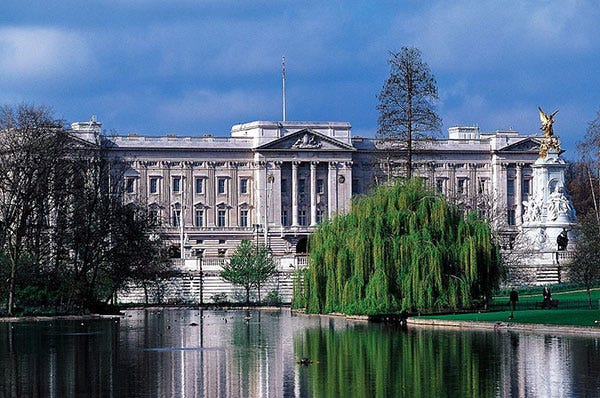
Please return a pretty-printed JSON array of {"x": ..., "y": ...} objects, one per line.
[{"x": 308, "y": 141}]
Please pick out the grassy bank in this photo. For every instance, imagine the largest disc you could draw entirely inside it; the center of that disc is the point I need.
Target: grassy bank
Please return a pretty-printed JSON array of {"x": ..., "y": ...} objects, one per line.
[
  {"x": 569, "y": 299},
  {"x": 548, "y": 317},
  {"x": 572, "y": 310}
]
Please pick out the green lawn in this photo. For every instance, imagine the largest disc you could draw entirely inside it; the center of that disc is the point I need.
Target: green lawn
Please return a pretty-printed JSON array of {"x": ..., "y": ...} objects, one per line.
[
  {"x": 575, "y": 296},
  {"x": 549, "y": 317},
  {"x": 574, "y": 313}
]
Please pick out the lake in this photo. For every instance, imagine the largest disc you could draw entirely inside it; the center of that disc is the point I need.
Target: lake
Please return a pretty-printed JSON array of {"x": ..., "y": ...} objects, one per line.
[{"x": 256, "y": 353}]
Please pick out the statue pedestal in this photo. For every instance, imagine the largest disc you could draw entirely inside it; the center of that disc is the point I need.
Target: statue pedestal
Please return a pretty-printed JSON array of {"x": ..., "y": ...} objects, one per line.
[{"x": 549, "y": 212}]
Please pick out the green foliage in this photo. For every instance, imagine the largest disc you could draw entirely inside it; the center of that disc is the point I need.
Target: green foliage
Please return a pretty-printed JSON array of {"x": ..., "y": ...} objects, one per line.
[
  {"x": 273, "y": 298},
  {"x": 383, "y": 362},
  {"x": 249, "y": 267},
  {"x": 401, "y": 248}
]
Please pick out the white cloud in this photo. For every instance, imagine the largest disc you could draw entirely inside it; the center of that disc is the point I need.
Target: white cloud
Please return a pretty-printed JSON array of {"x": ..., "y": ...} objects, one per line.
[{"x": 39, "y": 53}]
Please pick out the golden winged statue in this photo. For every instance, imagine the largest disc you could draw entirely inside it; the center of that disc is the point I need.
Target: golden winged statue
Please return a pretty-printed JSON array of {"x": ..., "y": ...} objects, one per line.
[
  {"x": 550, "y": 141},
  {"x": 547, "y": 122}
]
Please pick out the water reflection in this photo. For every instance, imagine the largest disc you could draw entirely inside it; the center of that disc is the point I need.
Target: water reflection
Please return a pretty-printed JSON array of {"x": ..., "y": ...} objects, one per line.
[{"x": 195, "y": 353}]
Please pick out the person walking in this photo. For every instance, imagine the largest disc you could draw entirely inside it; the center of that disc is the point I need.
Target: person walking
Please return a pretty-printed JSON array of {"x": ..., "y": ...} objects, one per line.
[
  {"x": 514, "y": 297},
  {"x": 547, "y": 298}
]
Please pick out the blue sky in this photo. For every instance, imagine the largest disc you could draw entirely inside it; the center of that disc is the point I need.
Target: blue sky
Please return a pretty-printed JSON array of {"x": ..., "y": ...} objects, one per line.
[{"x": 195, "y": 67}]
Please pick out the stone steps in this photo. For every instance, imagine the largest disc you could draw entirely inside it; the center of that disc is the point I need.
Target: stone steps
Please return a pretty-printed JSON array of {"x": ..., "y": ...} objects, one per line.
[{"x": 187, "y": 288}]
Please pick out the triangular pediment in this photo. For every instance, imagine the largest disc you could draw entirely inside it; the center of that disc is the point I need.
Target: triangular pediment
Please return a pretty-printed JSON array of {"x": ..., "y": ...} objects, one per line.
[
  {"x": 306, "y": 140},
  {"x": 529, "y": 145}
]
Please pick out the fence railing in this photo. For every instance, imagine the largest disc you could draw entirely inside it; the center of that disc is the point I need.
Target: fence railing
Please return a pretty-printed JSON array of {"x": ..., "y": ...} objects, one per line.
[{"x": 214, "y": 264}]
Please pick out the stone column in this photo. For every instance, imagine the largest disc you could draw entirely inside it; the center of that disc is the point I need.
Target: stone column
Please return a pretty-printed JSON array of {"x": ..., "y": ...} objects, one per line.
[
  {"x": 313, "y": 193},
  {"x": 519, "y": 193},
  {"x": 295, "y": 193},
  {"x": 451, "y": 188},
  {"x": 502, "y": 202},
  {"x": 431, "y": 175},
  {"x": 331, "y": 189},
  {"x": 472, "y": 188},
  {"x": 233, "y": 195},
  {"x": 275, "y": 200},
  {"x": 211, "y": 195}
]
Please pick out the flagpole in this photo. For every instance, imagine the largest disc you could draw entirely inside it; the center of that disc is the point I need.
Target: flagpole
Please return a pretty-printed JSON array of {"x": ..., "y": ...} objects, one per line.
[{"x": 283, "y": 84}]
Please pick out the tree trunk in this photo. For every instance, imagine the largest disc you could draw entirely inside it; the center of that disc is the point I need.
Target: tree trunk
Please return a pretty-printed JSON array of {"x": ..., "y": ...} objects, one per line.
[
  {"x": 247, "y": 295},
  {"x": 11, "y": 290},
  {"x": 259, "y": 293},
  {"x": 597, "y": 213},
  {"x": 146, "y": 292}
]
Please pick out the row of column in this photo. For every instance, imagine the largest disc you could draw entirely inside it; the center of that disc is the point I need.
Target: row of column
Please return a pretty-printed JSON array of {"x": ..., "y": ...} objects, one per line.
[{"x": 334, "y": 176}]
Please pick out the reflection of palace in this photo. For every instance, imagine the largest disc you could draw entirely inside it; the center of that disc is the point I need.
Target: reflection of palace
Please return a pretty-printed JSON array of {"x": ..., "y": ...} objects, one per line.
[
  {"x": 223, "y": 356},
  {"x": 274, "y": 181}
]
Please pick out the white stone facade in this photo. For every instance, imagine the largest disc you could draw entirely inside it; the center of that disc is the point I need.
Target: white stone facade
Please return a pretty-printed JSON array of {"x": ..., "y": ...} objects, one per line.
[{"x": 274, "y": 181}]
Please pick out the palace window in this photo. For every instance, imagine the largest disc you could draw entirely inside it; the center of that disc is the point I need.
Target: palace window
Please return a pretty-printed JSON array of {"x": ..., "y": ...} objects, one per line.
[
  {"x": 176, "y": 184},
  {"x": 439, "y": 185},
  {"x": 512, "y": 219},
  {"x": 284, "y": 218},
  {"x": 481, "y": 186},
  {"x": 243, "y": 218},
  {"x": 302, "y": 217},
  {"x": 526, "y": 187},
  {"x": 221, "y": 218},
  {"x": 153, "y": 185},
  {"x": 176, "y": 216},
  {"x": 320, "y": 186},
  {"x": 243, "y": 185},
  {"x": 320, "y": 214},
  {"x": 153, "y": 213},
  {"x": 199, "y": 185},
  {"x": 200, "y": 217},
  {"x": 221, "y": 185},
  {"x": 301, "y": 185},
  {"x": 461, "y": 186},
  {"x": 510, "y": 187},
  {"x": 284, "y": 183},
  {"x": 129, "y": 185}
]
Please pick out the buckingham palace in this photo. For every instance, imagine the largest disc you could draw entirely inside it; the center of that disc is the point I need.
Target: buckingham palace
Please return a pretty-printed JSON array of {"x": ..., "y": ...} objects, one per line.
[{"x": 273, "y": 182}]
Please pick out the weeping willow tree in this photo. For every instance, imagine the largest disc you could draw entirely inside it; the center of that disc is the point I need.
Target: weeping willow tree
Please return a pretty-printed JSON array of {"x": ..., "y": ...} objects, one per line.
[{"x": 401, "y": 248}]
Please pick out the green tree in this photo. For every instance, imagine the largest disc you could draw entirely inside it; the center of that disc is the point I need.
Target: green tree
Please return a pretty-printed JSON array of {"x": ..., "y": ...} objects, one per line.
[
  {"x": 249, "y": 267},
  {"x": 401, "y": 248},
  {"x": 406, "y": 105}
]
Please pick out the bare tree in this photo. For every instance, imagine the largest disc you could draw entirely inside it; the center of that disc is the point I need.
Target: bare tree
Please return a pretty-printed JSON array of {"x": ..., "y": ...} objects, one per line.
[
  {"x": 585, "y": 266},
  {"x": 32, "y": 144},
  {"x": 589, "y": 165},
  {"x": 406, "y": 111},
  {"x": 110, "y": 243},
  {"x": 66, "y": 236}
]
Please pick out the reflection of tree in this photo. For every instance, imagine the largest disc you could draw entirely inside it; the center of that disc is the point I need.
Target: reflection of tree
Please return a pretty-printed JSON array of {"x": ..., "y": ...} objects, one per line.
[
  {"x": 59, "y": 358},
  {"x": 250, "y": 350},
  {"x": 369, "y": 362}
]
